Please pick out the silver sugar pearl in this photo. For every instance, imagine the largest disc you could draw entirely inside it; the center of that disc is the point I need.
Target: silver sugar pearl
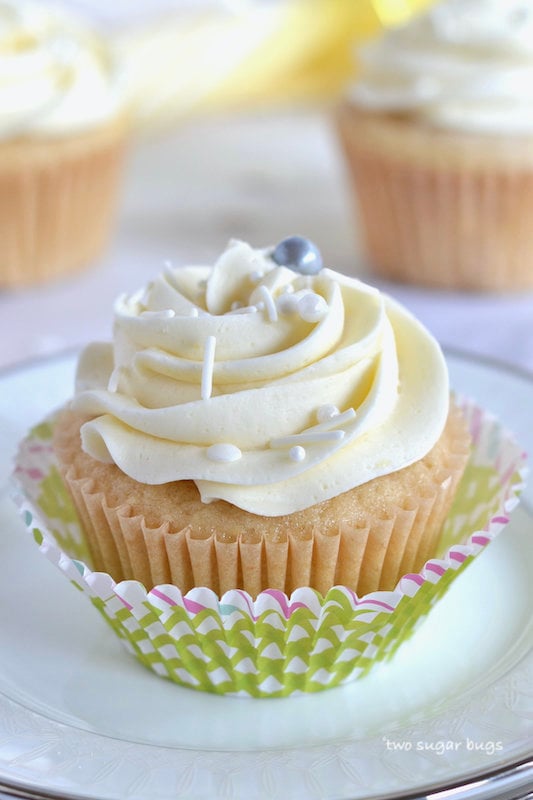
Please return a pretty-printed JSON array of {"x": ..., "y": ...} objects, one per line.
[{"x": 299, "y": 254}]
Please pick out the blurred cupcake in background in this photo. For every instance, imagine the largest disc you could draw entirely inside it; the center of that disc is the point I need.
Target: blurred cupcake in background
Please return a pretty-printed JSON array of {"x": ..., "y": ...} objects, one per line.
[
  {"x": 438, "y": 135},
  {"x": 62, "y": 136}
]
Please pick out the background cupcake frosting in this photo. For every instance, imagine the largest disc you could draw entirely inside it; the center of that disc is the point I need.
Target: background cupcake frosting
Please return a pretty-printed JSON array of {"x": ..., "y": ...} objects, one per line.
[
  {"x": 57, "y": 76},
  {"x": 464, "y": 64}
]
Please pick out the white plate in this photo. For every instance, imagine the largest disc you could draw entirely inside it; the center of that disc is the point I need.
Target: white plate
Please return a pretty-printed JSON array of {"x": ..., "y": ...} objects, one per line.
[{"x": 79, "y": 717}]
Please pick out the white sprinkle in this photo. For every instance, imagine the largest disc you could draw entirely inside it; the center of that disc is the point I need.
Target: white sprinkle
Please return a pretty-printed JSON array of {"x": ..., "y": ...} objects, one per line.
[
  {"x": 121, "y": 301},
  {"x": 207, "y": 368},
  {"x": 114, "y": 379},
  {"x": 256, "y": 275},
  {"x": 224, "y": 453},
  {"x": 235, "y": 305},
  {"x": 287, "y": 303},
  {"x": 167, "y": 313},
  {"x": 297, "y": 453},
  {"x": 194, "y": 312},
  {"x": 201, "y": 289},
  {"x": 312, "y": 307},
  {"x": 243, "y": 310},
  {"x": 142, "y": 297},
  {"x": 334, "y": 421},
  {"x": 311, "y": 437},
  {"x": 269, "y": 303},
  {"x": 326, "y": 412},
  {"x": 168, "y": 272}
]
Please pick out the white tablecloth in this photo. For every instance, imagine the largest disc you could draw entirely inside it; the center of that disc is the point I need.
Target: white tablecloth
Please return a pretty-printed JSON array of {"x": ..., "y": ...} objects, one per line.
[{"x": 260, "y": 177}]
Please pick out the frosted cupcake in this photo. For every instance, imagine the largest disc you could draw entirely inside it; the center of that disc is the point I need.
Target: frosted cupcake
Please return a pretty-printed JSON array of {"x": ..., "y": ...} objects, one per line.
[
  {"x": 265, "y": 423},
  {"x": 260, "y": 483},
  {"x": 62, "y": 134},
  {"x": 438, "y": 134}
]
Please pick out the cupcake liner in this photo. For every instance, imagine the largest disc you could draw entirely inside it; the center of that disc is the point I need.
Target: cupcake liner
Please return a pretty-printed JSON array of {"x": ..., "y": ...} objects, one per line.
[
  {"x": 452, "y": 220},
  {"x": 275, "y": 645},
  {"x": 57, "y": 201},
  {"x": 368, "y": 554}
]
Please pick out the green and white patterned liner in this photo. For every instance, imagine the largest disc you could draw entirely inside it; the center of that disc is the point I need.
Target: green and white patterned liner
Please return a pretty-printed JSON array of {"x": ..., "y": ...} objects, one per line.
[{"x": 276, "y": 645}]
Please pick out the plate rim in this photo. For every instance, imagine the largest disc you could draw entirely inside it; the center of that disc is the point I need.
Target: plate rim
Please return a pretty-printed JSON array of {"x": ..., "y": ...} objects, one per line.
[{"x": 507, "y": 778}]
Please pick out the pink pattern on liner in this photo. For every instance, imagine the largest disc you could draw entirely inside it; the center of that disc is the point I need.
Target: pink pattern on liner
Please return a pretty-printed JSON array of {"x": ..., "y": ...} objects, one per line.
[
  {"x": 457, "y": 556},
  {"x": 436, "y": 568},
  {"x": 248, "y": 600},
  {"x": 281, "y": 599},
  {"x": 418, "y": 579},
  {"x": 193, "y": 606},
  {"x": 166, "y": 599},
  {"x": 508, "y": 474},
  {"x": 369, "y": 601},
  {"x": 482, "y": 540}
]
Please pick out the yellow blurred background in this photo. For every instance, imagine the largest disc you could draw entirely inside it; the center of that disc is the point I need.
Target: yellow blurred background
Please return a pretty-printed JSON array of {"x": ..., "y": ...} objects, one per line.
[{"x": 238, "y": 54}]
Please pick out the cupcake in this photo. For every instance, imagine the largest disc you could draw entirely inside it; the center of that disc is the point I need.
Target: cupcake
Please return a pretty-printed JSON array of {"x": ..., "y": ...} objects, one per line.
[
  {"x": 266, "y": 423},
  {"x": 438, "y": 137},
  {"x": 262, "y": 482},
  {"x": 62, "y": 136}
]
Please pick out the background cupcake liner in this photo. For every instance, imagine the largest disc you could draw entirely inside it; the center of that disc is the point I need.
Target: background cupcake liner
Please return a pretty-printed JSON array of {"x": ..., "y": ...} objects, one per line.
[
  {"x": 57, "y": 202},
  {"x": 275, "y": 645},
  {"x": 453, "y": 219}
]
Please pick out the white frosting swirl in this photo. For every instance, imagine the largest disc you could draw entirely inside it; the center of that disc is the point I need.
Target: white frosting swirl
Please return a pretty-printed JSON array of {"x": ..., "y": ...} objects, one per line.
[
  {"x": 269, "y": 389},
  {"x": 56, "y": 76},
  {"x": 464, "y": 64}
]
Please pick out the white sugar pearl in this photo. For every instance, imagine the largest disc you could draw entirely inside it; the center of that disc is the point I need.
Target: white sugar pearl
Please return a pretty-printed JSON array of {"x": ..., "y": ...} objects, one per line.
[
  {"x": 224, "y": 453},
  {"x": 256, "y": 276},
  {"x": 326, "y": 412},
  {"x": 297, "y": 453},
  {"x": 312, "y": 307}
]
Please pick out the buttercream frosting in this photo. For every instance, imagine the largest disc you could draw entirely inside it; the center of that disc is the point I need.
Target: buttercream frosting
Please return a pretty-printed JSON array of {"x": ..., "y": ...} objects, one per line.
[
  {"x": 220, "y": 375},
  {"x": 56, "y": 76},
  {"x": 464, "y": 64}
]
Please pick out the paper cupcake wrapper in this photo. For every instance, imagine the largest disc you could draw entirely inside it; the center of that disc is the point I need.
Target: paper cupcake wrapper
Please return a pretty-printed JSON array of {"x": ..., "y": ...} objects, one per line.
[
  {"x": 453, "y": 222},
  {"x": 369, "y": 554},
  {"x": 57, "y": 204},
  {"x": 276, "y": 645}
]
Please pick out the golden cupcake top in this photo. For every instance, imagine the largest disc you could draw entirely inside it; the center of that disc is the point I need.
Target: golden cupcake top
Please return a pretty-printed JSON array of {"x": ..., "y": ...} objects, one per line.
[
  {"x": 57, "y": 77},
  {"x": 270, "y": 380}
]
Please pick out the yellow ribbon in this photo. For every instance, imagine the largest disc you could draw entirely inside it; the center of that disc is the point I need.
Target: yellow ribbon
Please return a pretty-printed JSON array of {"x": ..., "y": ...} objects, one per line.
[
  {"x": 293, "y": 51},
  {"x": 313, "y": 53}
]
